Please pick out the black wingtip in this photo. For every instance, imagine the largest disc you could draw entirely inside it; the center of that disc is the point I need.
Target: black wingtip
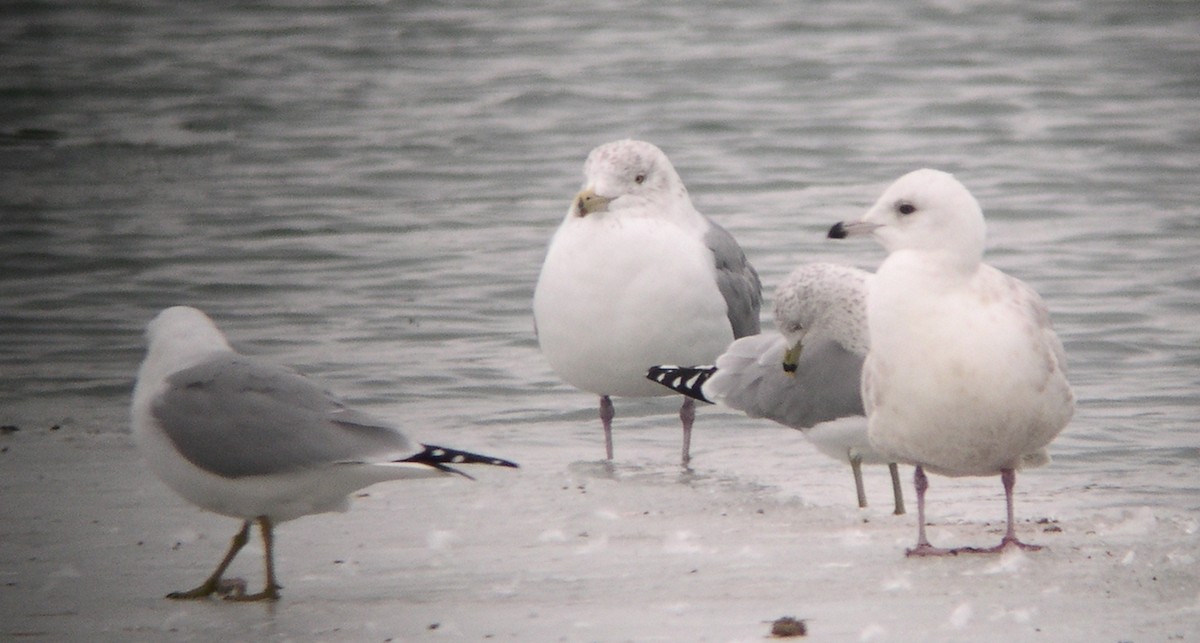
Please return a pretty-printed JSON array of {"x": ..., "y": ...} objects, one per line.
[
  {"x": 838, "y": 231},
  {"x": 441, "y": 458},
  {"x": 688, "y": 380}
]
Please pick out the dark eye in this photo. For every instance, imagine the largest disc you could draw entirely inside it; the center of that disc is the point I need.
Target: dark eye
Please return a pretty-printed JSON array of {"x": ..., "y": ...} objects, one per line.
[
  {"x": 905, "y": 207},
  {"x": 639, "y": 179}
]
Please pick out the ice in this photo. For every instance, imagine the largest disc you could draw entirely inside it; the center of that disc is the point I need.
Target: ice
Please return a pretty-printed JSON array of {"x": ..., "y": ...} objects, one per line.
[
  {"x": 563, "y": 551},
  {"x": 961, "y": 616}
]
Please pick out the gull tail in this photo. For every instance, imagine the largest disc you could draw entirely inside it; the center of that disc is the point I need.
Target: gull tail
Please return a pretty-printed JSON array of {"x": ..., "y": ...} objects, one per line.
[
  {"x": 688, "y": 380},
  {"x": 441, "y": 458}
]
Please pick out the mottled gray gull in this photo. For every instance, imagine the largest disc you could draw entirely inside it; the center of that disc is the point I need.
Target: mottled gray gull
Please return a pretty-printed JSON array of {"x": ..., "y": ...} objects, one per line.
[{"x": 820, "y": 312}]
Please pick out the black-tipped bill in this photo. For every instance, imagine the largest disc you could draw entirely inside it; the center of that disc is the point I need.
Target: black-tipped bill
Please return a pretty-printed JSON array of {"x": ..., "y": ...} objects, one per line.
[
  {"x": 841, "y": 229},
  {"x": 791, "y": 359}
]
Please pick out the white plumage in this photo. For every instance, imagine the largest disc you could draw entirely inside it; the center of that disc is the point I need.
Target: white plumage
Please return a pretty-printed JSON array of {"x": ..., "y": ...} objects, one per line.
[
  {"x": 965, "y": 376},
  {"x": 634, "y": 277},
  {"x": 245, "y": 438}
]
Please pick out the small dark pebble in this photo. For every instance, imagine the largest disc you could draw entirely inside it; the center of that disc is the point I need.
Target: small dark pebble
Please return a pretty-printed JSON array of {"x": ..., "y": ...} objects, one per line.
[
  {"x": 788, "y": 626},
  {"x": 434, "y": 626},
  {"x": 55, "y": 427},
  {"x": 9, "y": 428}
]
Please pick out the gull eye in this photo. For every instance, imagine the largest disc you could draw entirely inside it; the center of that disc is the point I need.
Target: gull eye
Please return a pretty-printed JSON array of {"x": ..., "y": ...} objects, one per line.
[
  {"x": 639, "y": 179},
  {"x": 904, "y": 207}
]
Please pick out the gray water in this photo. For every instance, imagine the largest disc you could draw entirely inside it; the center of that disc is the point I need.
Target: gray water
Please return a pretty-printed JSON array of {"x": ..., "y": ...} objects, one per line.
[{"x": 365, "y": 189}]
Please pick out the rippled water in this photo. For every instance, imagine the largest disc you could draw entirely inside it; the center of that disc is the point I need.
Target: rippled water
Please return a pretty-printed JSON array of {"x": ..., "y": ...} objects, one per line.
[{"x": 365, "y": 190}]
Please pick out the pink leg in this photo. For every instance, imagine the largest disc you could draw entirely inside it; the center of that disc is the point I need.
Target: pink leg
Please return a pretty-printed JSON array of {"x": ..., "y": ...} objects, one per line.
[
  {"x": 1009, "y": 478},
  {"x": 923, "y": 547},
  {"x": 606, "y": 417},
  {"x": 687, "y": 415}
]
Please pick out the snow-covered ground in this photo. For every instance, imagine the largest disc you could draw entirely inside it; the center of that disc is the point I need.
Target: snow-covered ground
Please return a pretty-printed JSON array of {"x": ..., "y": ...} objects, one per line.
[{"x": 569, "y": 549}]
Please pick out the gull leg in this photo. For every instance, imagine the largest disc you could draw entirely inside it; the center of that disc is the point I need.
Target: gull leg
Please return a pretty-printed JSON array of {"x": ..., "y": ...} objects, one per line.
[
  {"x": 606, "y": 417},
  {"x": 897, "y": 490},
  {"x": 856, "y": 469},
  {"x": 1009, "y": 478},
  {"x": 271, "y": 589},
  {"x": 213, "y": 583},
  {"x": 923, "y": 547},
  {"x": 687, "y": 415}
]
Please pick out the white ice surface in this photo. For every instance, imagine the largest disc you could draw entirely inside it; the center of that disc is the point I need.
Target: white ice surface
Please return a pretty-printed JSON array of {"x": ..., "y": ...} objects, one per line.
[{"x": 564, "y": 549}]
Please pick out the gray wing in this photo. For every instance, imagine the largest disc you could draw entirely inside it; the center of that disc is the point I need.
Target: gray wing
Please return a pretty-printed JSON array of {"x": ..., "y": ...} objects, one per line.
[
  {"x": 737, "y": 280},
  {"x": 238, "y": 416},
  {"x": 750, "y": 378}
]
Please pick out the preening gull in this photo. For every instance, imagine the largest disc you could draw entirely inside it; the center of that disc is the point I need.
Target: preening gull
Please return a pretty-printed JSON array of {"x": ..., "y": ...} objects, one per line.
[
  {"x": 965, "y": 376},
  {"x": 634, "y": 277},
  {"x": 820, "y": 311},
  {"x": 248, "y": 439}
]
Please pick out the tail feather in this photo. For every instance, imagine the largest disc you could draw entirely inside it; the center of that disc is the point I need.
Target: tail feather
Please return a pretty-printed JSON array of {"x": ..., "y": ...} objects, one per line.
[
  {"x": 688, "y": 380},
  {"x": 441, "y": 458}
]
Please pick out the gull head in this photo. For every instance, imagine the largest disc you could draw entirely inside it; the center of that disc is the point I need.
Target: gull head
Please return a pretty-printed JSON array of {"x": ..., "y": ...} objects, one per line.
[
  {"x": 925, "y": 210},
  {"x": 822, "y": 299},
  {"x": 628, "y": 174},
  {"x": 180, "y": 335}
]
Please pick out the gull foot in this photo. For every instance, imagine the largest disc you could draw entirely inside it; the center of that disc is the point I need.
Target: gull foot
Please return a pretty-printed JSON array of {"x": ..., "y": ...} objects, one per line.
[
  {"x": 203, "y": 591},
  {"x": 1008, "y": 541},
  {"x": 206, "y": 589},
  {"x": 925, "y": 549},
  {"x": 227, "y": 587},
  {"x": 268, "y": 594}
]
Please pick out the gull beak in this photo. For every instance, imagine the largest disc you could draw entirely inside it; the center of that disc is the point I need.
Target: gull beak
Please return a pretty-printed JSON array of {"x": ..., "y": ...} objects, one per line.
[
  {"x": 843, "y": 229},
  {"x": 791, "y": 358},
  {"x": 588, "y": 201}
]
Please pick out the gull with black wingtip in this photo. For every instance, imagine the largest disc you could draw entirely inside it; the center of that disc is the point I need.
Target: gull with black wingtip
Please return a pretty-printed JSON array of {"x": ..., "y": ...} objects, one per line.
[
  {"x": 246, "y": 438},
  {"x": 634, "y": 277}
]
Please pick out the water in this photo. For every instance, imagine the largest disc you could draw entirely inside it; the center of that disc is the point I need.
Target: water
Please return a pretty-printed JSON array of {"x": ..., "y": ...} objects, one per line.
[{"x": 365, "y": 190}]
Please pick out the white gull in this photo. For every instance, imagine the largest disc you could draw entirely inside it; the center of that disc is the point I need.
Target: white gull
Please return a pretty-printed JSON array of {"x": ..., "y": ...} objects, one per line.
[
  {"x": 634, "y": 277},
  {"x": 965, "y": 376}
]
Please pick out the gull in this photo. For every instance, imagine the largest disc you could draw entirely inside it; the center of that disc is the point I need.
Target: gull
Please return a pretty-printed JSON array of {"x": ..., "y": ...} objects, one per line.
[
  {"x": 965, "y": 376},
  {"x": 805, "y": 375},
  {"x": 634, "y": 277},
  {"x": 245, "y": 438}
]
